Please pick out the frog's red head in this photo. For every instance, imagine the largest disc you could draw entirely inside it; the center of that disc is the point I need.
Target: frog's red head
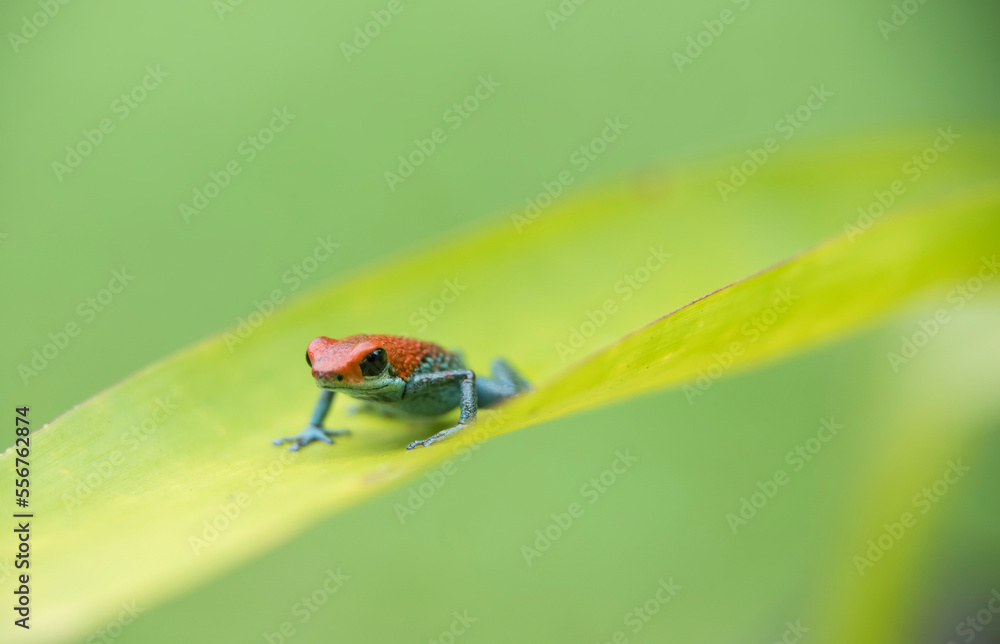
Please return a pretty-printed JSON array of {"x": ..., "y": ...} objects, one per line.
[
  {"x": 358, "y": 359},
  {"x": 345, "y": 362}
]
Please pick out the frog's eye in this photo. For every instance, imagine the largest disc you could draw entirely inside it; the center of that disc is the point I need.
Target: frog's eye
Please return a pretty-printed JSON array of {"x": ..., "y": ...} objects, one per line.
[
  {"x": 308, "y": 359},
  {"x": 374, "y": 363}
]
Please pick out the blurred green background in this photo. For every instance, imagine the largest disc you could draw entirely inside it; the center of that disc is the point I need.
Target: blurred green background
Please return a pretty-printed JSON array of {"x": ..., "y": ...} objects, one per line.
[{"x": 224, "y": 69}]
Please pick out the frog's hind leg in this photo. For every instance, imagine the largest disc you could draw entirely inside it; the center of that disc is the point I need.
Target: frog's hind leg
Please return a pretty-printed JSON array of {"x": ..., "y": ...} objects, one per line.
[
  {"x": 505, "y": 372},
  {"x": 504, "y": 382}
]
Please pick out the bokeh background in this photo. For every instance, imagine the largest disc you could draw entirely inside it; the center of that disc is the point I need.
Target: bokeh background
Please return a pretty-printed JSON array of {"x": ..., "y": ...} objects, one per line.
[{"x": 223, "y": 68}]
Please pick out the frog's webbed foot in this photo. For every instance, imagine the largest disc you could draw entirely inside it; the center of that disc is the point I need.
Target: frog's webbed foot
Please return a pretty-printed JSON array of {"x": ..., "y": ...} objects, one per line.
[
  {"x": 310, "y": 434},
  {"x": 436, "y": 438}
]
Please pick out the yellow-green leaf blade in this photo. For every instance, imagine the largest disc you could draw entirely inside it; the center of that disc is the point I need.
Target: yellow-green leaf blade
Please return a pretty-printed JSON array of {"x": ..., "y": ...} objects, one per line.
[
  {"x": 815, "y": 297},
  {"x": 152, "y": 501}
]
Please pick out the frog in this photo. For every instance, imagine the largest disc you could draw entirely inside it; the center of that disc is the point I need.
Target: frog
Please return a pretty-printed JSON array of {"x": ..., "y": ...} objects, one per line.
[{"x": 400, "y": 376}]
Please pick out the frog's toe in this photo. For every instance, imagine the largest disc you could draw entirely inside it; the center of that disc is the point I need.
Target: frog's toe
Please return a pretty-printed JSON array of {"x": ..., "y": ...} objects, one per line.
[
  {"x": 436, "y": 438},
  {"x": 423, "y": 443},
  {"x": 426, "y": 442},
  {"x": 310, "y": 434}
]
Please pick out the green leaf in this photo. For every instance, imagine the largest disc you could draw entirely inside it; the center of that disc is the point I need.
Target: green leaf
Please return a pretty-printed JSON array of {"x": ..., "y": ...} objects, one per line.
[
  {"x": 169, "y": 478},
  {"x": 814, "y": 297}
]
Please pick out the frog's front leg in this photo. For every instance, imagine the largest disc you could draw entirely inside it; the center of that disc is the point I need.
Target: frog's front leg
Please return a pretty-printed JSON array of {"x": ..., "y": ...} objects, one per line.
[
  {"x": 468, "y": 403},
  {"x": 315, "y": 430}
]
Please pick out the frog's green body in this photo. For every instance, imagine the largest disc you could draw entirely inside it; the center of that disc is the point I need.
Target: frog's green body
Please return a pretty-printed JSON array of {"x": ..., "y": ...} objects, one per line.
[{"x": 400, "y": 375}]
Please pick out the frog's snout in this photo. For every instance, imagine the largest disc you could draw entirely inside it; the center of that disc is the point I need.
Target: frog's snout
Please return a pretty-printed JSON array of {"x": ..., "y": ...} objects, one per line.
[
  {"x": 327, "y": 378},
  {"x": 335, "y": 378}
]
